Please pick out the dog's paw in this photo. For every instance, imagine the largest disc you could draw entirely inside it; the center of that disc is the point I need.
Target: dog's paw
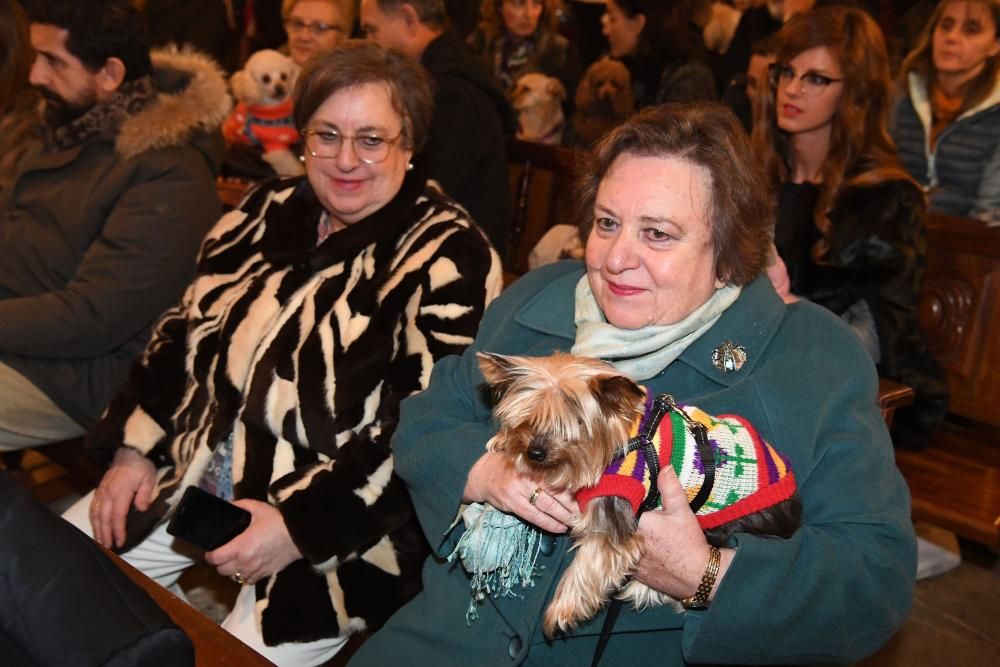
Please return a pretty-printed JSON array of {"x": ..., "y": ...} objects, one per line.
[
  {"x": 284, "y": 163},
  {"x": 643, "y": 597},
  {"x": 560, "y": 617}
]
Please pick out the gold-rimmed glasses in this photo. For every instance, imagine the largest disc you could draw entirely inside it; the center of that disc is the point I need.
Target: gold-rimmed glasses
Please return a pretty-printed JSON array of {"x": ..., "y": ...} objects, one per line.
[{"x": 370, "y": 148}]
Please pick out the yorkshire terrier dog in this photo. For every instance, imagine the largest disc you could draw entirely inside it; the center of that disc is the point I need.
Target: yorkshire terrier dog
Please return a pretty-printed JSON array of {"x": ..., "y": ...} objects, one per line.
[{"x": 572, "y": 422}]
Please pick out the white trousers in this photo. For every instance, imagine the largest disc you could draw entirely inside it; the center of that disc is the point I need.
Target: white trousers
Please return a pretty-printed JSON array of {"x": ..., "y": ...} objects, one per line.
[
  {"x": 27, "y": 417},
  {"x": 161, "y": 560}
]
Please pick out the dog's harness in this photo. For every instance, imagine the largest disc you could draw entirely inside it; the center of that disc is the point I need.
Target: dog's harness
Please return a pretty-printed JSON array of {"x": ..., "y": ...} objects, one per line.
[
  {"x": 726, "y": 468},
  {"x": 643, "y": 442}
]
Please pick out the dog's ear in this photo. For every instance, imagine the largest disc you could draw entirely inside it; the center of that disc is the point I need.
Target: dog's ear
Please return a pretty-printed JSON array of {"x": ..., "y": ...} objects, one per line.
[
  {"x": 516, "y": 92},
  {"x": 244, "y": 87},
  {"x": 499, "y": 370},
  {"x": 293, "y": 74},
  {"x": 624, "y": 101},
  {"x": 585, "y": 91},
  {"x": 556, "y": 89},
  {"x": 616, "y": 394}
]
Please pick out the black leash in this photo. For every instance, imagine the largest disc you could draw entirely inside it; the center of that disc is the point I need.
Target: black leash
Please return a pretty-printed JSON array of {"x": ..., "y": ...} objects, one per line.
[{"x": 644, "y": 440}]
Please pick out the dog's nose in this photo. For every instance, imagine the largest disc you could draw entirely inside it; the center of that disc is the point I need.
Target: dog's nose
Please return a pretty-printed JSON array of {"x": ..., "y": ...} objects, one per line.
[{"x": 279, "y": 90}]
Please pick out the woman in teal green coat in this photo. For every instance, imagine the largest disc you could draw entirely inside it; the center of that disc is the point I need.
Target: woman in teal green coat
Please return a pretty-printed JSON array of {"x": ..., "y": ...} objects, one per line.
[{"x": 676, "y": 222}]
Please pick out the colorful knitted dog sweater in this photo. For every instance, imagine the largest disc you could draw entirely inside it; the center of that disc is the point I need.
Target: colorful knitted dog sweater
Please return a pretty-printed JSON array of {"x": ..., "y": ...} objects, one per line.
[
  {"x": 750, "y": 474},
  {"x": 267, "y": 125}
]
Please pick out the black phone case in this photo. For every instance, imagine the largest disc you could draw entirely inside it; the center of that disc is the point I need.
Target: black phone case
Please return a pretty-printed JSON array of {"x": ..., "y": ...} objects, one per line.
[{"x": 205, "y": 520}]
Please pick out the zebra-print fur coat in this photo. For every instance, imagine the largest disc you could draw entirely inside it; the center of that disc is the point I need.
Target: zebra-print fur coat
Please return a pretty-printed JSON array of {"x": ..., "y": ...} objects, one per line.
[{"x": 303, "y": 353}]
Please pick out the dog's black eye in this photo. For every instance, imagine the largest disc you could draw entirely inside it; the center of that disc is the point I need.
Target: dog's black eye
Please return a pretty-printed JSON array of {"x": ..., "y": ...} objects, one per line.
[
  {"x": 266, "y": 78},
  {"x": 284, "y": 77}
]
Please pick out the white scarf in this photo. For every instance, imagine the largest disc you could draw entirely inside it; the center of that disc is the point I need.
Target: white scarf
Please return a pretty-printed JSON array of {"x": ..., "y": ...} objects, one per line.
[{"x": 642, "y": 353}]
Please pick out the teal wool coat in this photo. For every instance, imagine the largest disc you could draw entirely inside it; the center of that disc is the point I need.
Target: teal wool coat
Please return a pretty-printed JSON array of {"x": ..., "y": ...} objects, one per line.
[{"x": 834, "y": 592}]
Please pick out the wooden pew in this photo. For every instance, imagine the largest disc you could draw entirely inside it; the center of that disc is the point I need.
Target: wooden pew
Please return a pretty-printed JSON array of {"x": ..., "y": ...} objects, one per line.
[
  {"x": 955, "y": 482},
  {"x": 213, "y": 646},
  {"x": 541, "y": 180}
]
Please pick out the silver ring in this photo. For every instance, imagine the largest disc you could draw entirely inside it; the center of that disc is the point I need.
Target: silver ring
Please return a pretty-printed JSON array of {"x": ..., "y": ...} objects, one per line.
[
  {"x": 238, "y": 578},
  {"x": 534, "y": 495}
]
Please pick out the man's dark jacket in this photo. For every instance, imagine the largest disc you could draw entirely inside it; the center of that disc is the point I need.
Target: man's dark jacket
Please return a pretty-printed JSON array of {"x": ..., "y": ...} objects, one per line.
[
  {"x": 466, "y": 149},
  {"x": 98, "y": 239}
]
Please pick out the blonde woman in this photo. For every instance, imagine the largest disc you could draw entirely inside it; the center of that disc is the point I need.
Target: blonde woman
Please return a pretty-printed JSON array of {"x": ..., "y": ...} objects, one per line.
[
  {"x": 947, "y": 126},
  {"x": 315, "y": 25}
]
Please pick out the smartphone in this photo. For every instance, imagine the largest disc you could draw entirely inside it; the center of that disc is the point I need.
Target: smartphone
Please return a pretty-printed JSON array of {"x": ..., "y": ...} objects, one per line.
[{"x": 205, "y": 520}]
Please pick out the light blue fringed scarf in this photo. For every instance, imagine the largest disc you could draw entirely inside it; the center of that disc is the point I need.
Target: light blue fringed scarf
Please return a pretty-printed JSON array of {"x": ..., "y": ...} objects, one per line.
[{"x": 498, "y": 549}]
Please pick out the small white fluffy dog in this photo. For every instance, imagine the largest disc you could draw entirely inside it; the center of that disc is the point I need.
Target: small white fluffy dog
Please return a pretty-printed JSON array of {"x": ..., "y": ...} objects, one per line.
[
  {"x": 263, "y": 115},
  {"x": 538, "y": 101},
  {"x": 267, "y": 78}
]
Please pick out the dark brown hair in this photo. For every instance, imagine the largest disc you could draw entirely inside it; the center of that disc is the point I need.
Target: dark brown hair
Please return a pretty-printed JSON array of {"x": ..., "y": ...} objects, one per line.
[
  {"x": 706, "y": 134},
  {"x": 357, "y": 62},
  {"x": 861, "y": 151},
  {"x": 921, "y": 59},
  {"x": 430, "y": 12},
  {"x": 16, "y": 54}
]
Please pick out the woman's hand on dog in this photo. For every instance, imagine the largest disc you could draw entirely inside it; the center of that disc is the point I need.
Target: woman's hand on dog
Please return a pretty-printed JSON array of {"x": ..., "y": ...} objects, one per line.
[
  {"x": 494, "y": 480},
  {"x": 675, "y": 554}
]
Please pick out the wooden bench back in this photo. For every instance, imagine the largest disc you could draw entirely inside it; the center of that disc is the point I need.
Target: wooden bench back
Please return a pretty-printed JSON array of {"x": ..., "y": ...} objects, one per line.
[
  {"x": 541, "y": 180},
  {"x": 960, "y": 313}
]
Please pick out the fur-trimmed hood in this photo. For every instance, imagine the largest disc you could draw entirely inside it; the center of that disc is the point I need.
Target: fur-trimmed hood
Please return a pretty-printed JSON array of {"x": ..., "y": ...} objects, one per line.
[{"x": 191, "y": 104}]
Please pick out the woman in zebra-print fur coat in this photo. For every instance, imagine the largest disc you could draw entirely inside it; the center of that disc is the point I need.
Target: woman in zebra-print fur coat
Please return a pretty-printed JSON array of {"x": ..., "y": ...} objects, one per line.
[{"x": 285, "y": 363}]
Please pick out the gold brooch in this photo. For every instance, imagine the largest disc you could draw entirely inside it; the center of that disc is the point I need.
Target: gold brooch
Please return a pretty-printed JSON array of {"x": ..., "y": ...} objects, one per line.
[{"x": 729, "y": 357}]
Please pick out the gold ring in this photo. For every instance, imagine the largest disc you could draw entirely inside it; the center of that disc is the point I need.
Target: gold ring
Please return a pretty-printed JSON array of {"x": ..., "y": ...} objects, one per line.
[
  {"x": 534, "y": 495},
  {"x": 238, "y": 578}
]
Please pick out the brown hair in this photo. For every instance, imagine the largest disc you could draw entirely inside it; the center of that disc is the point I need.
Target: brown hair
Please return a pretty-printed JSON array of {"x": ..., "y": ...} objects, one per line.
[
  {"x": 491, "y": 21},
  {"x": 16, "y": 54},
  {"x": 430, "y": 12},
  {"x": 345, "y": 7},
  {"x": 357, "y": 62},
  {"x": 740, "y": 214},
  {"x": 861, "y": 151},
  {"x": 921, "y": 59}
]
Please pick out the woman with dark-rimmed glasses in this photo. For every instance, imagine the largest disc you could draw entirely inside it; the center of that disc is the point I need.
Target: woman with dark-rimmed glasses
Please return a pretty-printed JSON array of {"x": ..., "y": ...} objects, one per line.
[
  {"x": 320, "y": 303},
  {"x": 850, "y": 220}
]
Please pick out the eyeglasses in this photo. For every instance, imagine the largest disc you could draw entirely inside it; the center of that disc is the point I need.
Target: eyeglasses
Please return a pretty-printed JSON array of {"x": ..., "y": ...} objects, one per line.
[
  {"x": 370, "y": 148},
  {"x": 317, "y": 28},
  {"x": 813, "y": 83}
]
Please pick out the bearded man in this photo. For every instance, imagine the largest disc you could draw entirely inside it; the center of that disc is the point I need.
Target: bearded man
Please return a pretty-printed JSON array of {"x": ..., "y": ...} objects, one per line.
[{"x": 104, "y": 215}]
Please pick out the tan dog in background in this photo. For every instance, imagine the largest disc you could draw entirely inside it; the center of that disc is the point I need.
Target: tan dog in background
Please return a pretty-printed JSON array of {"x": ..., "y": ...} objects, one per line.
[
  {"x": 604, "y": 99},
  {"x": 538, "y": 100}
]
